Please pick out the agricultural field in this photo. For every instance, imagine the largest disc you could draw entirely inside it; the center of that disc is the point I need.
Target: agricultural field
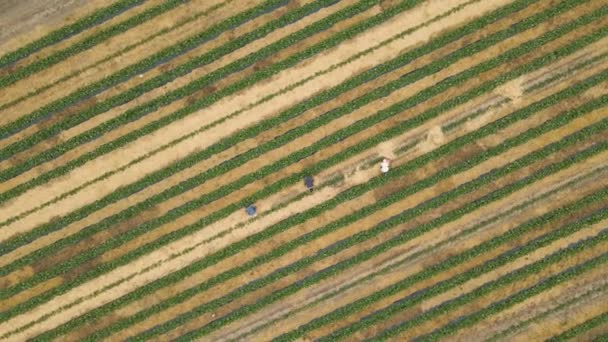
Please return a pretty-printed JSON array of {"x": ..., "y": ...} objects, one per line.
[{"x": 134, "y": 134}]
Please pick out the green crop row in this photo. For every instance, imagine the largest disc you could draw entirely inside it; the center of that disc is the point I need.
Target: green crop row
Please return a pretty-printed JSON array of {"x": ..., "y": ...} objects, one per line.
[
  {"x": 161, "y": 79},
  {"x": 88, "y": 42},
  {"x": 538, "y": 318},
  {"x": 513, "y": 299},
  {"x": 450, "y": 263},
  {"x": 565, "y": 73},
  {"x": 461, "y": 278},
  {"x": 96, "y": 18},
  {"x": 581, "y": 328},
  {"x": 169, "y": 238},
  {"x": 144, "y": 65},
  {"x": 341, "y": 245},
  {"x": 26, "y": 238},
  {"x": 134, "y": 69},
  {"x": 260, "y": 75},
  {"x": 235, "y": 248},
  {"x": 394, "y": 221},
  {"x": 434, "y": 248},
  {"x": 9, "y": 245},
  {"x": 235, "y": 113},
  {"x": 126, "y": 49}
]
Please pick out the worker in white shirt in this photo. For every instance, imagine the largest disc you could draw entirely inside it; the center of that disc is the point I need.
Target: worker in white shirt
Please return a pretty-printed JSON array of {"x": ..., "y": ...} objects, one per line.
[{"x": 384, "y": 165}]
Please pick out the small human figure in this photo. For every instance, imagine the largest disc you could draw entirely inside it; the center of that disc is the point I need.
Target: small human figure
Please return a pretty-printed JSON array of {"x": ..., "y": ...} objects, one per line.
[
  {"x": 309, "y": 183},
  {"x": 251, "y": 210},
  {"x": 384, "y": 166}
]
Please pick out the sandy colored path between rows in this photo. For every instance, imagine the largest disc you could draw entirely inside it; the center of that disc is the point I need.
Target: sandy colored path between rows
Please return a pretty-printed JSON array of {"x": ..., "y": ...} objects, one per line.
[
  {"x": 41, "y": 23},
  {"x": 88, "y": 72},
  {"x": 382, "y": 262},
  {"x": 565, "y": 319},
  {"x": 420, "y": 196},
  {"x": 536, "y": 305},
  {"x": 514, "y": 287},
  {"x": 161, "y": 91},
  {"x": 77, "y": 177}
]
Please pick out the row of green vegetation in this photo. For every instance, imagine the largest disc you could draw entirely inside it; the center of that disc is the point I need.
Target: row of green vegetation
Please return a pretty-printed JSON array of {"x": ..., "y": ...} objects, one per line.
[
  {"x": 432, "y": 249},
  {"x": 163, "y": 78},
  {"x": 577, "y": 330},
  {"x": 511, "y": 235},
  {"x": 194, "y": 268},
  {"x": 206, "y": 80},
  {"x": 183, "y": 296},
  {"x": 112, "y": 56},
  {"x": 129, "y": 72},
  {"x": 504, "y": 259},
  {"x": 188, "y": 230},
  {"x": 365, "y": 235},
  {"x": 94, "y": 19},
  {"x": 88, "y": 42}
]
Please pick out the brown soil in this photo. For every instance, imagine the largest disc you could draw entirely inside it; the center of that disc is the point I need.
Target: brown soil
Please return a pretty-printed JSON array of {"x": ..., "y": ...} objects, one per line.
[{"x": 434, "y": 139}]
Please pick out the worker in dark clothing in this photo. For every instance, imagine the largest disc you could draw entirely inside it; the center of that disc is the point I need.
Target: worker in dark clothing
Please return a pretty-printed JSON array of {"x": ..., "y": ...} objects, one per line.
[
  {"x": 251, "y": 210},
  {"x": 309, "y": 183}
]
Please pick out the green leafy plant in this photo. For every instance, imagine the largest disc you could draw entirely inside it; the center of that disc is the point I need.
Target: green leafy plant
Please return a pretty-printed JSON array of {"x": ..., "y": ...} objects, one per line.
[{"x": 67, "y": 31}]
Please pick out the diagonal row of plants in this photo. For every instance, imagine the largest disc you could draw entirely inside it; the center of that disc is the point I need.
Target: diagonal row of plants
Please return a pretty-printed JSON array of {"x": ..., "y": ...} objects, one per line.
[
  {"x": 234, "y": 114},
  {"x": 274, "y": 230},
  {"x": 446, "y": 285},
  {"x": 185, "y": 295},
  {"x": 193, "y": 228},
  {"x": 163, "y": 78},
  {"x": 522, "y": 295},
  {"x": 434, "y": 248},
  {"x": 575, "y": 331},
  {"x": 137, "y": 112},
  {"x": 224, "y": 168},
  {"x": 88, "y": 42},
  {"x": 514, "y": 329},
  {"x": 150, "y": 62},
  {"x": 294, "y": 111},
  {"x": 95, "y": 18},
  {"x": 470, "y": 254},
  {"x": 112, "y": 56},
  {"x": 284, "y": 249},
  {"x": 394, "y": 221}
]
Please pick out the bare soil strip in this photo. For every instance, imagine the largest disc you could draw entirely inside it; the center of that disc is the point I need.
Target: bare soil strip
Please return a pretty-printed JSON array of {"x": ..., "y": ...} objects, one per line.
[
  {"x": 208, "y": 139},
  {"x": 91, "y": 75},
  {"x": 179, "y": 223},
  {"x": 327, "y": 240},
  {"x": 42, "y": 18},
  {"x": 94, "y": 57},
  {"x": 393, "y": 261},
  {"x": 590, "y": 283}
]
